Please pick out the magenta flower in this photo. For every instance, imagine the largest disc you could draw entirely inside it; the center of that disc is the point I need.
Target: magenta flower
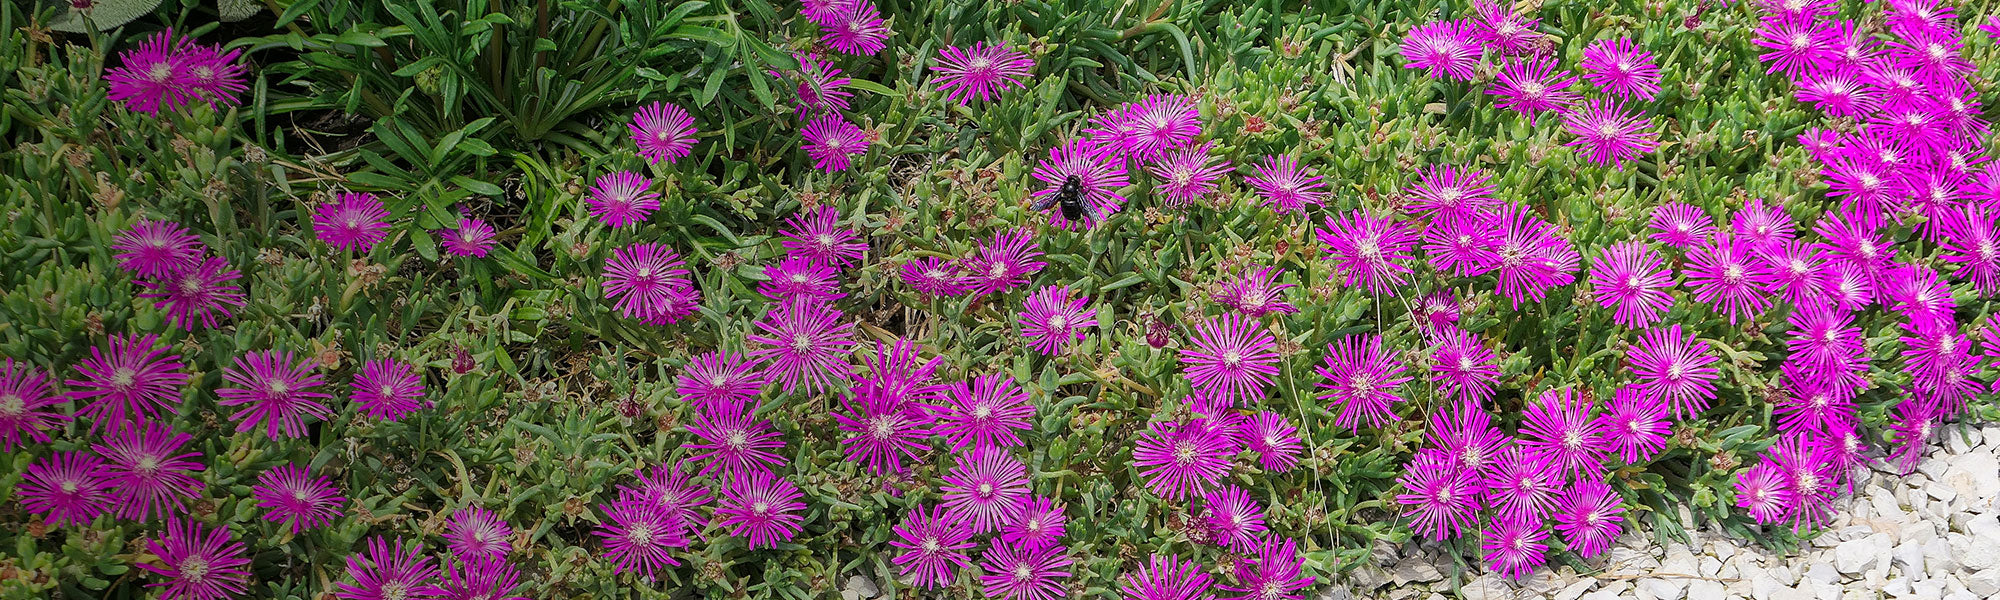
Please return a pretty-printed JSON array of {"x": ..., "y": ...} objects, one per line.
[
  {"x": 716, "y": 378},
  {"x": 157, "y": 249},
  {"x": 1158, "y": 123},
  {"x": 389, "y": 390},
  {"x": 803, "y": 344},
  {"x": 933, "y": 546},
  {"x": 1188, "y": 174},
  {"x": 1853, "y": 241},
  {"x": 473, "y": 237},
  {"x": 70, "y": 487},
  {"x": 663, "y": 132},
  {"x": 1941, "y": 364},
  {"x": 197, "y": 294},
  {"x": 1037, "y": 523},
  {"x": 1234, "y": 520},
  {"x": 735, "y": 439},
  {"x": 980, "y": 71},
  {"x": 1675, "y": 369},
  {"x": 352, "y": 222},
  {"x": 1166, "y": 578},
  {"x": 481, "y": 578},
  {"x": 1533, "y": 85},
  {"x": 1052, "y": 319},
  {"x": 1973, "y": 243},
  {"x": 1799, "y": 47},
  {"x": 671, "y": 491},
  {"x": 1915, "y": 421},
  {"x": 1681, "y": 225},
  {"x": 822, "y": 89},
  {"x": 1361, "y": 377},
  {"x": 1443, "y": 497},
  {"x": 1447, "y": 190},
  {"x": 885, "y": 429},
  {"x": 1632, "y": 276},
  {"x": 1934, "y": 56},
  {"x": 1635, "y": 425},
  {"x": 1559, "y": 430},
  {"x": 1184, "y": 460},
  {"x": 1608, "y": 134},
  {"x": 1839, "y": 94},
  {"x": 1794, "y": 270},
  {"x": 984, "y": 412},
  {"x": 1274, "y": 439},
  {"x": 832, "y": 142},
  {"x": 1919, "y": 294},
  {"x": 984, "y": 488},
  {"x": 801, "y": 278},
  {"x": 936, "y": 277},
  {"x": 153, "y": 76},
  {"x": 1465, "y": 432},
  {"x": 857, "y": 30},
  {"x": 1272, "y": 572},
  {"x": 1230, "y": 357},
  {"x": 147, "y": 474},
  {"x": 1589, "y": 517},
  {"x": 1097, "y": 171},
  {"x": 1013, "y": 573},
  {"x": 761, "y": 507},
  {"x": 390, "y": 572},
  {"x": 1503, "y": 31},
  {"x": 1285, "y": 186},
  {"x": 1810, "y": 472},
  {"x": 896, "y": 374},
  {"x": 1825, "y": 341},
  {"x": 214, "y": 75},
  {"x": 622, "y": 198},
  {"x": 1463, "y": 367},
  {"x": 198, "y": 563},
  {"x": 1763, "y": 492},
  {"x": 1621, "y": 69},
  {"x": 24, "y": 392},
  {"x": 1443, "y": 49},
  {"x": 1004, "y": 263},
  {"x": 1522, "y": 485},
  {"x": 292, "y": 496},
  {"x": 1726, "y": 274},
  {"x": 1865, "y": 186},
  {"x": 1533, "y": 257},
  {"x": 130, "y": 379},
  {"x": 1815, "y": 405},
  {"x": 817, "y": 234},
  {"x": 475, "y": 531},
  {"x": 1514, "y": 547},
  {"x": 639, "y": 537},
  {"x": 277, "y": 390},
  {"x": 1462, "y": 245},
  {"x": 1257, "y": 293},
  {"x": 1372, "y": 252}
]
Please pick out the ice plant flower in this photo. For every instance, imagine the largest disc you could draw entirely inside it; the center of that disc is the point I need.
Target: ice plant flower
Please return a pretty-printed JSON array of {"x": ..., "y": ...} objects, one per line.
[
  {"x": 475, "y": 531},
  {"x": 1621, "y": 69},
  {"x": 147, "y": 474},
  {"x": 129, "y": 378},
  {"x": 1361, "y": 378},
  {"x": 293, "y": 496},
  {"x": 1443, "y": 49},
  {"x": 352, "y": 222},
  {"x": 622, "y": 198},
  {"x": 1635, "y": 425},
  {"x": 1504, "y": 31},
  {"x": 1763, "y": 493},
  {"x": 1372, "y": 252},
  {"x": 1257, "y": 293},
  {"x": 1461, "y": 245},
  {"x": 1633, "y": 277},
  {"x": 1013, "y": 573},
  {"x": 1005, "y": 262},
  {"x": 1463, "y": 367},
  {"x": 761, "y": 507},
  {"x": 483, "y": 577},
  {"x": 1465, "y": 432},
  {"x": 1187, "y": 175},
  {"x": 1448, "y": 190},
  {"x": 1095, "y": 169},
  {"x": 388, "y": 389},
  {"x": 1272, "y": 572},
  {"x": 1443, "y": 498},
  {"x": 639, "y": 537},
  {"x": 198, "y": 294},
  {"x": 1522, "y": 485},
  {"x": 1158, "y": 123},
  {"x": 984, "y": 488},
  {"x": 1037, "y": 523},
  {"x": 1532, "y": 257},
  {"x": 736, "y": 441},
  {"x": 1675, "y": 369},
  {"x": 715, "y": 378},
  {"x": 832, "y": 142},
  {"x": 1559, "y": 430},
  {"x": 1681, "y": 225},
  {"x": 1286, "y": 186},
  {"x": 857, "y": 30},
  {"x": 389, "y": 571},
  {"x": 1514, "y": 547},
  {"x": 987, "y": 411},
  {"x": 24, "y": 392},
  {"x": 1234, "y": 520},
  {"x": 935, "y": 277},
  {"x": 802, "y": 343},
  {"x": 70, "y": 487},
  {"x": 157, "y": 249},
  {"x": 1533, "y": 85},
  {"x": 818, "y": 235},
  {"x": 980, "y": 71},
  {"x": 822, "y": 88},
  {"x": 1794, "y": 270},
  {"x": 1824, "y": 341},
  {"x": 1230, "y": 357},
  {"x": 1182, "y": 460},
  {"x": 1810, "y": 470},
  {"x": 1589, "y": 516},
  {"x": 672, "y": 491},
  {"x": 1166, "y": 578},
  {"x": 198, "y": 562},
  {"x": 663, "y": 132},
  {"x": 1052, "y": 319},
  {"x": 473, "y": 237},
  {"x": 1609, "y": 135},
  {"x": 1274, "y": 439},
  {"x": 1798, "y": 47},
  {"x": 885, "y": 429},
  {"x": 153, "y": 76},
  {"x": 1815, "y": 405},
  {"x": 934, "y": 547},
  {"x": 801, "y": 278},
  {"x": 277, "y": 390}
]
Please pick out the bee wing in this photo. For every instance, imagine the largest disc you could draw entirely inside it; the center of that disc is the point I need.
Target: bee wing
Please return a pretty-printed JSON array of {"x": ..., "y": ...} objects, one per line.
[{"x": 1045, "y": 202}]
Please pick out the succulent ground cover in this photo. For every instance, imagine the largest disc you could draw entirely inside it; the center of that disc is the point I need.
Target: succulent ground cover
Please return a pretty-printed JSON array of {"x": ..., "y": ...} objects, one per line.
[{"x": 1016, "y": 300}]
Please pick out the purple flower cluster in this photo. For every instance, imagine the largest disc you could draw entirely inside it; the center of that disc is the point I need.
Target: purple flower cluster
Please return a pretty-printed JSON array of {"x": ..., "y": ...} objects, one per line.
[
  {"x": 174, "y": 267},
  {"x": 170, "y": 73}
]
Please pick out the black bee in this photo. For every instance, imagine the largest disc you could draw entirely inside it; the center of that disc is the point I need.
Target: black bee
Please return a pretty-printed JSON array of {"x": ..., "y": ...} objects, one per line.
[{"x": 1070, "y": 198}]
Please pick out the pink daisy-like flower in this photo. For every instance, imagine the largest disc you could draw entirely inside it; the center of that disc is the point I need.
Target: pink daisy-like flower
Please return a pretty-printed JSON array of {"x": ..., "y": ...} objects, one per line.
[
  {"x": 1825, "y": 341},
  {"x": 130, "y": 378},
  {"x": 1013, "y": 573},
  {"x": 473, "y": 238},
  {"x": 818, "y": 235},
  {"x": 1727, "y": 275},
  {"x": 1184, "y": 460},
  {"x": 1188, "y": 174},
  {"x": 1230, "y": 357},
  {"x": 389, "y": 571},
  {"x": 983, "y": 489},
  {"x": 1234, "y": 520},
  {"x": 934, "y": 276},
  {"x": 1436, "y": 312},
  {"x": 1092, "y": 168},
  {"x": 1372, "y": 252},
  {"x": 1361, "y": 377},
  {"x": 293, "y": 496},
  {"x": 1462, "y": 245},
  {"x": 1274, "y": 439},
  {"x": 1052, "y": 319},
  {"x": 1522, "y": 485},
  {"x": 980, "y": 71},
  {"x": 198, "y": 563},
  {"x": 822, "y": 88},
  {"x": 762, "y": 507},
  {"x": 803, "y": 345},
  {"x": 147, "y": 474},
  {"x": 1763, "y": 492},
  {"x": 1610, "y": 136},
  {"x": 1463, "y": 367},
  {"x": 1559, "y": 429},
  {"x": 1590, "y": 517},
  {"x": 1762, "y": 226},
  {"x": 984, "y": 412},
  {"x": 1633, "y": 276},
  {"x": 1443, "y": 49},
  {"x": 832, "y": 142},
  {"x": 1852, "y": 240},
  {"x": 1933, "y": 56},
  {"x": 1973, "y": 243},
  {"x": 1037, "y": 523},
  {"x": 389, "y": 389},
  {"x": 1919, "y": 294},
  {"x": 1272, "y": 572},
  {"x": 1443, "y": 498},
  {"x": 24, "y": 392},
  {"x": 153, "y": 76},
  {"x": 1004, "y": 263},
  {"x": 1866, "y": 187},
  {"x": 276, "y": 389},
  {"x": 622, "y": 198},
  {"x": 475, "y": 531},
  {"x": 663, "y": 132},
  {"x": 1815, "y": 405},
  {"x": 734, "y": 438},
  {"x": 1447, "y": 190},
  {"x": 1158, "y": 123},
  {"x": 1799, "y": 47},
  {"x": 1286, "y": 186},
  {"x": 1621, "y": 69},
  {"x": 824, "y": 12},
  {"x": 801, "y": 278},
  {"x": 352, "y": 222},
  {"x": 1635, "y": 425},
  {"x": 885, "y": 429},
  {"x": 639, "y": 536},
  {"x": 716, "y": 378},
  {"x": 1914, "y": 423},
  {"x": 672, "y": 491},
  {"x": 213, "y": 75},
  {"x": 1675, "y": 369},
  {"x": 1166, "y": 578},
  {"x": 157, "y": 249},
  {"x": 1794, "y": 270},
  {"x": 72, "y": 488},
  {"x": 1533, "y": 257},
  {"x": 1839, "y": 94},
  {"x": 859, "y": 30},
  {"x": 1515, "y": 547},
  {"x": 1504, "y": 31},
  {"x": 1257, "y": 293},
  {"x": 1533, "y": 85},
  {"x": 481, "y": 578},
  {"x": 198, "y": 294},
  {"x": 1466, "y": 434},
  {"x": 1810, "y": 473},
  {"x": 933, "y": 546},
  {"x": 1681, "y": 225}
]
